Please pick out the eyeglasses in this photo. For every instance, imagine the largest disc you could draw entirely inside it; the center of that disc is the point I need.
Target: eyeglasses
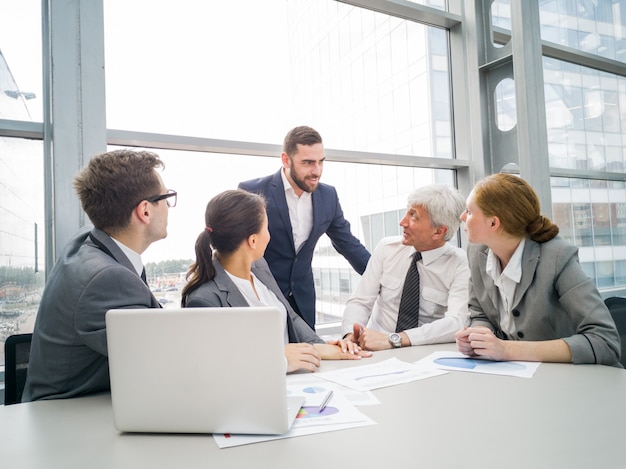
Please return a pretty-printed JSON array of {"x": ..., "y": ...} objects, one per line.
[{"x": 170, "y": 193}]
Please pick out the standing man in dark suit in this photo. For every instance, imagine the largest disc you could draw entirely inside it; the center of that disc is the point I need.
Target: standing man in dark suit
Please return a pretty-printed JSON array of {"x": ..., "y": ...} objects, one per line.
[
  {"x": 100, "y": 269},
  {"x": 300, "y": 210}
]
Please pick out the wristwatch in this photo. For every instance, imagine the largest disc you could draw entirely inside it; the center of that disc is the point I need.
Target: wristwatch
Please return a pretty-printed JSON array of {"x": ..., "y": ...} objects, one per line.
[{"x": 395, "y": 340}]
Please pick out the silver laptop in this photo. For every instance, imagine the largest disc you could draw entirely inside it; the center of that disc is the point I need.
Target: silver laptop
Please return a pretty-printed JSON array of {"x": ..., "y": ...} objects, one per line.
[{"x": 199, "y": 370}]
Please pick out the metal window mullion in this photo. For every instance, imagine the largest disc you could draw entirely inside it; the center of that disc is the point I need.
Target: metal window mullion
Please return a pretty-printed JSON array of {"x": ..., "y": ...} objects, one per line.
[
  {"x": 210, "y": 145},
  {"x": 532, "y": 136},
  {"x": 74, "y": 109}
]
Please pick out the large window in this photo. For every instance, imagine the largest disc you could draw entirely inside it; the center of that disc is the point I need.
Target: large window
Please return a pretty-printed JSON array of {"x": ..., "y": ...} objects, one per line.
[
  {"x": 585, "y": 105},
  {"x": 235, "y": 76},
  {"x": 592, "y": 215},
  {"x": 595, "y": 27},
  {"x": 20, "y": 60},
  {"x": 21, "y": 236},
  {"x": 21, "y": 170},
  {"x": 366, "y": 81},
  {"x": 586, "y": 119}
]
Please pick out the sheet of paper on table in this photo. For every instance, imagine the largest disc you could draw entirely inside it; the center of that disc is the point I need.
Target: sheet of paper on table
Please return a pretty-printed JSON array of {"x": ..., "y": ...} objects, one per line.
[
  {"x": 456, "y": 361},
  {"x": 339, "y": 413},
  {"x": 389, "y": 372}
]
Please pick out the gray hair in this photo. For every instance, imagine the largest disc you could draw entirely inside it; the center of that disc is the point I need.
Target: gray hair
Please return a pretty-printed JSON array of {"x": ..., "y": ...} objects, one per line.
[{"x": 444, "y": 205}]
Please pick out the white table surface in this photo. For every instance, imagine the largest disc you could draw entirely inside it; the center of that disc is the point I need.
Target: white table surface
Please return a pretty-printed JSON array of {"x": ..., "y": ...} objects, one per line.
[{"x": 566, "y": 416}]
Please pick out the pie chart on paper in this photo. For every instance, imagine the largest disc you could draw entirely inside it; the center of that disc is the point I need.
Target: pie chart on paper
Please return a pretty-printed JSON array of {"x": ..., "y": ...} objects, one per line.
[
  {"x": 308, "y": 412},
  {"x": 314, "y": 389},
  {"x": 470, "y": 363}
]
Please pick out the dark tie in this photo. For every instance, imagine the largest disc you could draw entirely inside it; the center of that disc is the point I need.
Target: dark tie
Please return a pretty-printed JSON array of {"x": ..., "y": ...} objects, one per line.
[
  {"x": 143, "y": 276},
  {"x": 408, "y": 314}
]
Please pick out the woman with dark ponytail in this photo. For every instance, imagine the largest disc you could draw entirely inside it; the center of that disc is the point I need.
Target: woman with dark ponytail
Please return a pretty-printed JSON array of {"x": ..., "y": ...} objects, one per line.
[
  {"x": 530, "y": 300},
  {"x": 230, "y": 271}
]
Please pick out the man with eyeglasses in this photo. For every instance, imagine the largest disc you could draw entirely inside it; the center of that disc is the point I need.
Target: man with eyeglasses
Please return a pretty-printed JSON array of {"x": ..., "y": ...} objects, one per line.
[{"x": 101, "y": 268}]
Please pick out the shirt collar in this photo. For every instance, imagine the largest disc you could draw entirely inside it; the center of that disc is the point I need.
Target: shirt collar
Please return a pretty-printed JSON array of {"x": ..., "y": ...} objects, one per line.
[
  {"x": 289, "y": 189},
  {"x": 513, "y": 269},
  {"x": 133, "y": 257},
  {"x": 432, "y": 254},
  {"x": 286, "y": 183}
]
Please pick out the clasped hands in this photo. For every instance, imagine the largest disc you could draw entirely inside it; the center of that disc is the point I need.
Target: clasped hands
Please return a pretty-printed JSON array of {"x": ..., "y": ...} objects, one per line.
[{"x": 481, "y": 342}]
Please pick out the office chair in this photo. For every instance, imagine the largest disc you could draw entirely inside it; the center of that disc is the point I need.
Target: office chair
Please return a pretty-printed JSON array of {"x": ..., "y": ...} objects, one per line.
[
  {"x": 16, "y": 356},
  {"x": 617, "y": 308}
]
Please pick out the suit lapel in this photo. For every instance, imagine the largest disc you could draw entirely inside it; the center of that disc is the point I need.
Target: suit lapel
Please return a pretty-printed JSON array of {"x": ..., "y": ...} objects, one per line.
[
  {"x": 530, "y": 261},
  {"x": 262, "y": 272},
  {"x": 317, "y": 205},
  {"x": 277, "y": 193},
  {"x": 487, "y": 279},
  {"x": 225, "y": 284},
  {"x": 107, "y": 245}
]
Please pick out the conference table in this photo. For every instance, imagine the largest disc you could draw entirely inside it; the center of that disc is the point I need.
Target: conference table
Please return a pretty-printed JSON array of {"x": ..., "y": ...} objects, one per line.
[{"x": 565, "y": 416}]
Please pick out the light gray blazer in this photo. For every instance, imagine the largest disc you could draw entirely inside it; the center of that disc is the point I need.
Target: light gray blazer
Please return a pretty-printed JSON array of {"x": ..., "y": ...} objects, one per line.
[
  {"x": 554, "y": 299},
  {"x": 222, "y": 292},
  {"x": 68, "y": 354}
]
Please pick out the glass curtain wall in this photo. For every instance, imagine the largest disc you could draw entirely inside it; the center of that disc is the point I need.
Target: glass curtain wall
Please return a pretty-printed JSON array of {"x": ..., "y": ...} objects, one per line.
[
  {"x": 586, "y": 114},
  {"x": 586, "y": 124},
  {"x": 375, "y": 86}
]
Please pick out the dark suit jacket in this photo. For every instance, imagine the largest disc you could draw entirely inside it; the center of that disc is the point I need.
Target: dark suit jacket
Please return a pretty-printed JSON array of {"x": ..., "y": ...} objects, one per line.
[
  {"x": 69, "y": 349},
  {"x": 293, "y": 270},
  {"x": 554, "y": 300},
  {"x": 222, "y": 292}
]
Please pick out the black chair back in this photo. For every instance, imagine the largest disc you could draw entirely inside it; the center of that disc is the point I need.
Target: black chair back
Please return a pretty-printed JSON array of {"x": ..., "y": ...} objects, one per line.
[
  {"x": 16, "y": 357},
  {"x": 617, "y": 308}
]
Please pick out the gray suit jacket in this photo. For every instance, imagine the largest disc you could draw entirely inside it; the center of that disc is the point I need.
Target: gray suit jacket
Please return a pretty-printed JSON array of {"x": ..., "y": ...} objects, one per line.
[
  {"x": 222, "y": 292},
  {"x": 554, "y": 299},
  {"x": 69, "y": 350}
]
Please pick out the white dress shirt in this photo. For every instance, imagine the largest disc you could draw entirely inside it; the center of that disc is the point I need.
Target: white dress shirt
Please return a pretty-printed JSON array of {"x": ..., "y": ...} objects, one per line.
[
  {"x": 300, "y": 213},
  {"x": 266, "y": 297},
  {"x": 506, "y": 281},
  {"x": 444, "y": 282}
]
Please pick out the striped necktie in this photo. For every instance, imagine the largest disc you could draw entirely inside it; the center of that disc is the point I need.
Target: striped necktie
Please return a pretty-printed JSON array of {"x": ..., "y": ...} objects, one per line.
[{"x": 408, "y": 314}]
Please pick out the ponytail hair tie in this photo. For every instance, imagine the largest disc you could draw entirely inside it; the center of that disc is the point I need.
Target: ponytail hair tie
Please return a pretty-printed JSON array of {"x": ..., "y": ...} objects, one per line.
[{"x": 209, "y": 229}]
